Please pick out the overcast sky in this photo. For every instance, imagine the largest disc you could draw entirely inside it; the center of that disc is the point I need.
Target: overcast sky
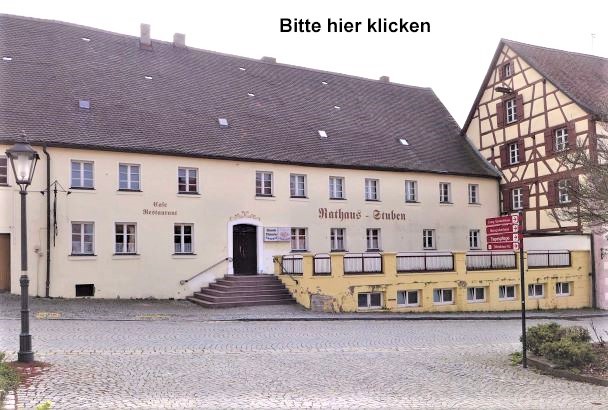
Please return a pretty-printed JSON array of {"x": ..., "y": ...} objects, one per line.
[{"x": 452, "y": 59}]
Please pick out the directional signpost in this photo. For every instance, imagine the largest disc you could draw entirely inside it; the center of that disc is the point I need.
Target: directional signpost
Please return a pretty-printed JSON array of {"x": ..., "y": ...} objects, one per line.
[{"x": 503, "y": 233}]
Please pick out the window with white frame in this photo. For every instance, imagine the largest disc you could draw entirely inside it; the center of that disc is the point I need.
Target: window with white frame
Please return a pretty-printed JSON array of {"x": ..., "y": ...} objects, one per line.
[
  {"x": 506, "y": 292},
  {"x": 477, "y": 294},
  {"x": 428, "y": 239},
  {"x": 128, "y": 177},
  {"x": 182, "y": 238},
  {"x": 443, "y": 296},
  {"x": 561, "y": 139},
  {"x": 263, "y": 183},
  {"x": 514, "y": 153},
  {"x": 474, "y": 239},
  {"x": 517, "y": 197},
  {"x": 371, "y": 189},
  {"x": 369, "y": 300},
  {"x": 83, "y": 238},
  {"x": 297, "y": 186},
  {"x": 373, "y": 239},
  {"x": 408, "y": 298},
  {"x": 563, "y": 191},
  {"x": 125, "y": 238},
  {"x": 473, "y": 193},
  {"x": 187, "y": 180},
  {"x": 562, "y": 288},
  {"x": 337, "y": 239},
  {"x": 299, "y": 239},
  {"x": 511, "y": 110},
  {"x": 336, "y": 188},
  {"x": 3, "y": 171},
  {"x": 82, "y": 174},
  {"x": 507, "y": 70},
  {"x": 445, "y": 194},
  {"x": 536, "y": 290},
  {"x": 411, "y": 191}
]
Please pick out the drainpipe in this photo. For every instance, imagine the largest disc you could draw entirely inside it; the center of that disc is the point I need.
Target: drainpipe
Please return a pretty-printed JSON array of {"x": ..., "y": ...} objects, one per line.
[
  {"x": 593, "y": 278},
  {"x": 48, "y": 220}
]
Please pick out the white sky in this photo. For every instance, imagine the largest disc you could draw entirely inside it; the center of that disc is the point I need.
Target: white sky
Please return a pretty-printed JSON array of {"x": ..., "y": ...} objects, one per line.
[{"x": 452, "y": 59}]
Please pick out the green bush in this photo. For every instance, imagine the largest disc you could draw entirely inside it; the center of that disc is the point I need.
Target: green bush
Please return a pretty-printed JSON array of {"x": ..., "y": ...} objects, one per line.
[
  {"x": 9, "y": 378},
  {"x": 568, "y": 353},
  {"x": 537, "y": 335},
  {"x": 575, "y": 333}
]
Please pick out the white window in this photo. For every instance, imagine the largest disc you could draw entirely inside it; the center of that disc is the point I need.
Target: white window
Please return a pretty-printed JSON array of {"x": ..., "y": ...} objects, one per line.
[
  {"x": 536, "y": 290},
  {"x": 563, "y": 191},
  {"x": 125, "y": 238},
  {"x": 371, "y": 300},
  {"x": 562, "y": 288},
  {"x": 474, "y": 239},
  {"x": 298, "y": 239},
  {"x": 408, "y": 298},
  {"x": 445, "y": 194},
  {"x": 336, "y": 188},
  {"x": 506, "y": 70},
  {"x": 443, "y": 296},
  {"x": 411, "y": 191},
  {"x": 297, "y": 186},
  {"x": 514, "y": 153},
  {"x": 511, "y": 110},
  {"x": 561, "y": 139},
  {"x": 187, "y": 180},
  {"x": 128, "y": 177},
  {"x": 473, "y": 193},
  {"x": 182, "y": 238},
  {"x": 517, "y": 197},
  {"x": 263, "y": 183},
  {"x": 3, "y": 171},
  {"x": 371, "y": 189},
  {"x": 428, "y": 239},
  {"x": 476, "y": 294},
  {"x": 82, "y": 174},
  {"x": 373, "y": 239},
  {"x": 83, "y": 238},
  {"x": 337, "y": 239},
  {"x": 506, "y": 292}
]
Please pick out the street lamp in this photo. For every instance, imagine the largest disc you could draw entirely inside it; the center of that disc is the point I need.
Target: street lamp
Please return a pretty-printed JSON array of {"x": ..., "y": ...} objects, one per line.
[{"x": 23, "y": 161}]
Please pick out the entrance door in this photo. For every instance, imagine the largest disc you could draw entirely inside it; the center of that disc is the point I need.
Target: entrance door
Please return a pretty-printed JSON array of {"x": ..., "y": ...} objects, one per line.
[
  {"x": 5, "y": 262},
  {"x": 245, "y": 249}
]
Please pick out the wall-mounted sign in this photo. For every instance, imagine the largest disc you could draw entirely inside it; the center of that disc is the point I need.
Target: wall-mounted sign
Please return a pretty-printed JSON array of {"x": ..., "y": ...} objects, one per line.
[
  {"x": 160, "y": 208},
  {"x": 376, "y": 214},
  {"x": 277, "y": 234}
]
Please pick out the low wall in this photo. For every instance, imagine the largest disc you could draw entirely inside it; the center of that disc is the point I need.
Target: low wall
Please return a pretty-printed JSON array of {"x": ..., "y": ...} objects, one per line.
[{"x": 339, "y": 291}]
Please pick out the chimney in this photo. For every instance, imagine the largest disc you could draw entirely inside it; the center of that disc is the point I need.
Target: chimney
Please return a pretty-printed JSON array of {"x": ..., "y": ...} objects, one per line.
[
  {"x": 145, "y": 41},
  {"x": 385, "y": 79},
  {"x": 269, "y": 59},
  {"x": 179, "y": 40}
]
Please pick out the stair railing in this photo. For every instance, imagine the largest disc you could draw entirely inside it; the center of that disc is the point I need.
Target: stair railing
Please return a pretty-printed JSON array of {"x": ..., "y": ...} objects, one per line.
[
  {"x": 183, "y": 282},
  {"x": 279, "y": 260}
]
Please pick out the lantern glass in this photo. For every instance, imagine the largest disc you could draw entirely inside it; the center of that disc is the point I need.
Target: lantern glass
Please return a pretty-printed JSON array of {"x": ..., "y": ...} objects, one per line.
[{"x": 23, "y": 161}]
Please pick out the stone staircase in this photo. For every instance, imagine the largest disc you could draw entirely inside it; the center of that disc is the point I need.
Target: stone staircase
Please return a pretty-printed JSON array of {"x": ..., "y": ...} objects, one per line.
[{"x": 243, "y": 290}]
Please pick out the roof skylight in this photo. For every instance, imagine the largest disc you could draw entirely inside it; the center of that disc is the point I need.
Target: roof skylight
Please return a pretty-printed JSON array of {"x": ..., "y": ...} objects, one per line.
[
  {"x": 148, "y": 77},
  {"x": 85, "y": 39},
  {"x": 403, "y": 141},
  {"x": 337, "y": 107},
  {"x": 6, "y": 58},
  {"x": 322, "y": 134},
  {"x": 242, "y": 68},
  {"x": 251, "y": 94},
  {"x": 324, "y": 82},
  {"x": 223, "y": 122}
]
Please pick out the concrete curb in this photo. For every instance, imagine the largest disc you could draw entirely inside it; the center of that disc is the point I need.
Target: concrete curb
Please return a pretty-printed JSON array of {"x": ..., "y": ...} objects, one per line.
[{"x": 548, "y": 368}]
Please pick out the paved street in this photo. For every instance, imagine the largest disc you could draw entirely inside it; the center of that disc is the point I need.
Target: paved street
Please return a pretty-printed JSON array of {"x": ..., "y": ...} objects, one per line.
[{"x": 179, "y": 363}]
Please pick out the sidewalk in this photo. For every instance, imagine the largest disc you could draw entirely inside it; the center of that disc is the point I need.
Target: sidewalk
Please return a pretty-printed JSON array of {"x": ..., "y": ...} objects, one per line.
[{"x": 179, "y": 310}]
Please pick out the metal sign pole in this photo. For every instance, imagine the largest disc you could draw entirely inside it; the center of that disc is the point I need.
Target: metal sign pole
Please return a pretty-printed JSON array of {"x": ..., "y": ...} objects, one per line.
[{"x": 522, "y": 291}]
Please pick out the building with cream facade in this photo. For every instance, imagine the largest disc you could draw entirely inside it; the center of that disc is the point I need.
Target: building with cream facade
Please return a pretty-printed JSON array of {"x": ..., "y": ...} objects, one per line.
[{"x": 165, "y": 168}]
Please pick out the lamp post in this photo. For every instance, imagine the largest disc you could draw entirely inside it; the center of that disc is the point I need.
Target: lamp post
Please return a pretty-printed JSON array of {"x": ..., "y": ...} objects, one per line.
[{"x": 23, "y": 161}]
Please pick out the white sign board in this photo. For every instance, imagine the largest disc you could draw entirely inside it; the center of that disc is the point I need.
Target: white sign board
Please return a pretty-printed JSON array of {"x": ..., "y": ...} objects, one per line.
[{"x": 277, "y": 234}]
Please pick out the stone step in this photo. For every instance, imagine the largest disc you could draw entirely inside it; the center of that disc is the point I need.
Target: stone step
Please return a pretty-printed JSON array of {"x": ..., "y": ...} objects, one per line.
[
  {"x": 256, "y": 291},
  {"x": 232, "y": 298},
  {"x": 250, "y": 287},
  {"x": 219, "y": 305},
  {"x": 249, "y": 279}
]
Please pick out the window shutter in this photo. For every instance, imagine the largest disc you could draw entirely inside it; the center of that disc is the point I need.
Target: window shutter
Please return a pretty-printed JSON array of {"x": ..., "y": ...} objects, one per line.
[
  {"x": 549, "y": 141},
  {"x": 522, "y": 152},
  {"x": 501, "y": 72},
  {"x": 525, "y": 193},
  {"x": 571, "y": 135},
  {"x": 574, "y": 187},
  {"x": 551, "y": 193},
  {"x": 500, "y": 115},
  {"x": 519, "y": 107},
  {"x": 504, "y": 160},
  {"x": 506, "y": 200}
]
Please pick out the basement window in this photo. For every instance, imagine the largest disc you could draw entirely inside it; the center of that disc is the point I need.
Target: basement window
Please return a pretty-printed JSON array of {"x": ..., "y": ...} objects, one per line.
[
  {"x": 371, "y": 300},
  {"x": 6, "y": 58},
  {"x": 322, "y": 134},
  {"x": 84, "y": 104},
  {"x": 223, "y": 122},
  {"x": 84, "y": 290}
]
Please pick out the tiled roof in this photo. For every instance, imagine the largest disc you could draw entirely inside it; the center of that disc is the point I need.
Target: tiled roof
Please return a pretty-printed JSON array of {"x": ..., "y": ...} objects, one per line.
[{"x": 274, "y": 111}]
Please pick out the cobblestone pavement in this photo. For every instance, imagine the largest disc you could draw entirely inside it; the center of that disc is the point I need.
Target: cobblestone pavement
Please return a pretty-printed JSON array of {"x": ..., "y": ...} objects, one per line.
[{"x": 262, "y": 364}]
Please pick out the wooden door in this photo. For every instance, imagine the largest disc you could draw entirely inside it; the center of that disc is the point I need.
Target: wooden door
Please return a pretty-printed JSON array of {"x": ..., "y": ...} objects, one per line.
[
  {"x": 5, "y": 262},
  {"x": 245, "y": 250}
]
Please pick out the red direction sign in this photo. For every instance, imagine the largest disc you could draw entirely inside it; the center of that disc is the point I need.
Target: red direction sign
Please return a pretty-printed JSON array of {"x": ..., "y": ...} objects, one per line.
[
  {"x": 503, "y": 246},
  {"x": 511, "y": 228},
  {"x": 504, "y": 237},
  {"x": 503, "y": 220}
]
